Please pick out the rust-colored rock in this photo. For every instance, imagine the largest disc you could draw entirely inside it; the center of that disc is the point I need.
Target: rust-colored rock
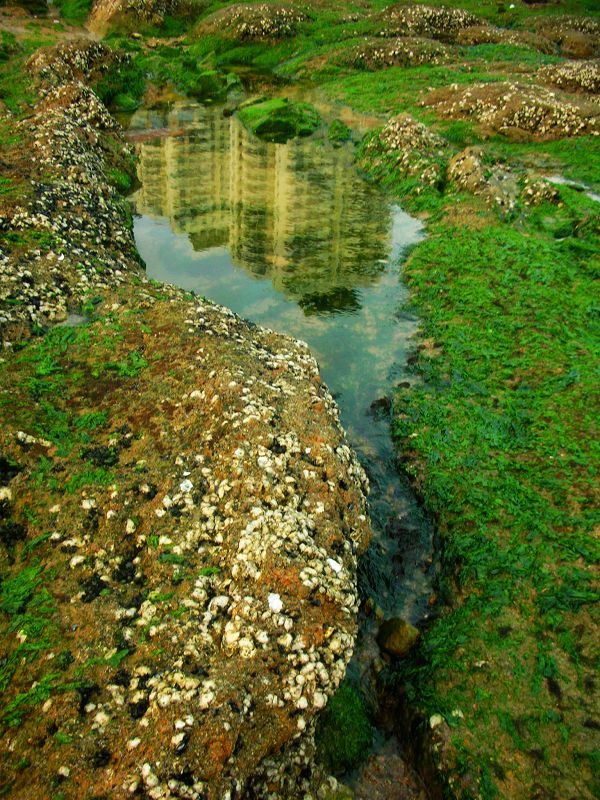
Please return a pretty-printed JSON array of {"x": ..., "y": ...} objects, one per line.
[{"x": 181, "y": 513}]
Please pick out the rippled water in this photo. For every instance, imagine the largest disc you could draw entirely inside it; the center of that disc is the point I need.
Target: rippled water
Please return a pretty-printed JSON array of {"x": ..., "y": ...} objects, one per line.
[{"x": 291, "y": 237}]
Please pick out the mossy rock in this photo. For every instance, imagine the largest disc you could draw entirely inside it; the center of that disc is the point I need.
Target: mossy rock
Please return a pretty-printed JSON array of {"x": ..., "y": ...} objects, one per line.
[
  {"x": 344, "y": 734},
  {"x": 280, "y": 119}
]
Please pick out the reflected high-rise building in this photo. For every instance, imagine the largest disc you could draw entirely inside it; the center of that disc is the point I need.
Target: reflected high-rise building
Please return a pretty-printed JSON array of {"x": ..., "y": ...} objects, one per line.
[{"x": 297, "y": 213}]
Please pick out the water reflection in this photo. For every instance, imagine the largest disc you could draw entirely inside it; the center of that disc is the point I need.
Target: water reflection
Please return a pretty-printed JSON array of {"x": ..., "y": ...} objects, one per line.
[
  {"x": 297, "y": 213},
  {"x": 291, "y": 237}
]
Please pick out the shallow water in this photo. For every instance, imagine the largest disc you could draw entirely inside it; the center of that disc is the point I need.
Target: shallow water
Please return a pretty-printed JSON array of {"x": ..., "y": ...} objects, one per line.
[
  {"x": 560, "y": 180},
  {"x": 291, "y": 237}
]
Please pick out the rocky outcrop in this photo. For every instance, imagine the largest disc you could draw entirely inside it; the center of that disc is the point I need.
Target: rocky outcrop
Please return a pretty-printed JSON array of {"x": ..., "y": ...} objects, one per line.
[
  {"x": 491, "y": 34},
  {"x": 432, "y": 22},
  {"x": 517, "y": 110},
  {"x": 414, "y": 150},
  {"x": 130, "y": 14},
  {"x": 409, "y": 51},
  {"x": 578, "y": 37},
  {"x": 495, "y": 183},
  {"x": 78, "y": 59},
  {"x": 73, "y": 236},
  {"x": 573, "y": 76},
  {"x": 182, "y": 601},
  {"x": 248, "y": 23}
]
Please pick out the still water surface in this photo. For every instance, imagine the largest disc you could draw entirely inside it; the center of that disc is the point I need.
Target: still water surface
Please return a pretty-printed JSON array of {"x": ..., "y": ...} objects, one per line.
[{"x": 291, "y": 237}]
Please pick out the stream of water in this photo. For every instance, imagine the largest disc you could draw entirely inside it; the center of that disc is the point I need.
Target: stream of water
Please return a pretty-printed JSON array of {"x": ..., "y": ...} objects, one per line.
[{"x": 293, "y": 238}]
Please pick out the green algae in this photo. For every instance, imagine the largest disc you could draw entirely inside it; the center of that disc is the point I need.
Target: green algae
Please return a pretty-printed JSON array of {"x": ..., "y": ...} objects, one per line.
[{"x": 345, "y": 712}]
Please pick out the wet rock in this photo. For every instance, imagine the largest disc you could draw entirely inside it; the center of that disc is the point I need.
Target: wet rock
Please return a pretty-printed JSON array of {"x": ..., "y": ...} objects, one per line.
[
  {"x": 396, "y": 637},
  {"x": 496, "y": 184},
  {"x": 130, "y": 14},
  {"x": 578, "y": 37},
  {"x": 536, "y": 191},
  {"x": 78, "y": 59},
  {"x": 206, "y": 583},
  {"x": 72, "y": 142},
  {"x": 387, "y": 777},
  {"x": 381, "y": 407}
]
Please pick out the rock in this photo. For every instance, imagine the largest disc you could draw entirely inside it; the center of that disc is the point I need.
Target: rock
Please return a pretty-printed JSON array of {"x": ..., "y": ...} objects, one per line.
[
  {"x": 386, "y": 776},
  {"x": 130, "y": 15},
  {"x": 246, "y": 22},
  {"x": 412, "y": 148},
  {"x": 280, "y": 119},
  {"x": 573, "y": 76},
  {"x": 433, "y": 22},
  {"x": 198, "y": 589},
  {"x": 490, "y": 34},
  {"x": 496, "y": 184},
  {"x": 396, "y": 637},
  {"x": 517, "y": 110},
  {"x": 382, "y": 407},
  {"x": 578, "y": 37},
  {"x": 405, "y": 51}
]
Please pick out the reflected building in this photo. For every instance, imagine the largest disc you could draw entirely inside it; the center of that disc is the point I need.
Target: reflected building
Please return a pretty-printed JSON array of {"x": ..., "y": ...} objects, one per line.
[{"x": 297, "y": 213}]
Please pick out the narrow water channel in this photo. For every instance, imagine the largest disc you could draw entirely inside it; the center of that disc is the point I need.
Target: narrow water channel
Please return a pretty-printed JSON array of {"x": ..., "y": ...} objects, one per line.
[{"x": 291, "y": 237}]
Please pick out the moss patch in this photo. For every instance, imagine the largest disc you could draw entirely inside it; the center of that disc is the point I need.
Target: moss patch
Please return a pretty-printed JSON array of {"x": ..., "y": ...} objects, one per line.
[{"x": 345, "y": 712}]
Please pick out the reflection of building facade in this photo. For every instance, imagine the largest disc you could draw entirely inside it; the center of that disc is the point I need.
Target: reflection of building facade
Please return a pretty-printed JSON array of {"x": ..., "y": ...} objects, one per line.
[{"x": 296, "y": 212}]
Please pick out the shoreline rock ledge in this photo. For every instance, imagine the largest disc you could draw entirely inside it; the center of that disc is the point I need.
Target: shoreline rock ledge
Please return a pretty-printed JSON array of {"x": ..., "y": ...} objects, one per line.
[{"x": 181, "y": 518}]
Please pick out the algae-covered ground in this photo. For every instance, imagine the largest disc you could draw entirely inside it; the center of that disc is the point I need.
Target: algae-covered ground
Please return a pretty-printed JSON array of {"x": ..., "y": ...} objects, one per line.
[{"x": 499, "y": 433}]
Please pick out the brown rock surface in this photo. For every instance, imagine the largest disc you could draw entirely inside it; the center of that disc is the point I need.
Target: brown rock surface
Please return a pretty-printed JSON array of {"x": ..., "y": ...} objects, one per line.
[
  {"x": 490, "y": 34},
  {"x": 578, "y": 37},
  {"x": 573, "y": 76}
]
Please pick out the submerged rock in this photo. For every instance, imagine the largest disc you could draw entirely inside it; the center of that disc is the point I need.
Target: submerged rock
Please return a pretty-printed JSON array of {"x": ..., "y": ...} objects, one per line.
[{"x": 396, "y": 636}]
